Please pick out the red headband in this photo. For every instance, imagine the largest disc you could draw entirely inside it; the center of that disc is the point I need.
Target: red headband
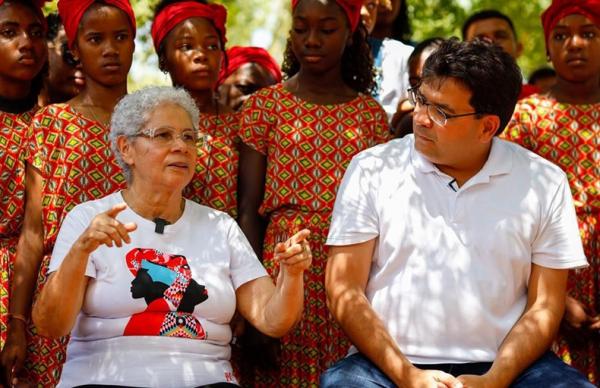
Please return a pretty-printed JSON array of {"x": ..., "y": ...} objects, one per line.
[
  {"x": 350, "y": 7},
  {"x": 239, "y": 56},
  {"x": 561, "y": 8},
  {"x": 71, "y": 12},
  {"x": 174, "y": 14}
]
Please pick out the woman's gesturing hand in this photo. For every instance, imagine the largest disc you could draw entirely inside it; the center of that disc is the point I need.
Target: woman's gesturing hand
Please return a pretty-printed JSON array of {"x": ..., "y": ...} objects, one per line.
[
  {"x": 294, "y": 254},
  {"x": 105, "y": 229}
]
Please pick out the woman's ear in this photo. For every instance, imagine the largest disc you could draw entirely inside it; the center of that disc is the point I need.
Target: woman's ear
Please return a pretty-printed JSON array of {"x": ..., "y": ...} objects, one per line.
[
  {"x": 125, "y": 149},
  {"x": 162, "y": 64},
  {"x": 75, "y": 51}
]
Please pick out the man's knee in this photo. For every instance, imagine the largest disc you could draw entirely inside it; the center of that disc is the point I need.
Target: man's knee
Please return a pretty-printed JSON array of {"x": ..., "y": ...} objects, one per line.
[
  {"x": 354, "y": 371},
  {"x": 549, "y": 371}
]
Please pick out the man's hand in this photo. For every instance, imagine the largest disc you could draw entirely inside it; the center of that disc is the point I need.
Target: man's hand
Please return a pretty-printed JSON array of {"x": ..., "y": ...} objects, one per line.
[
  {"x": 419, "y": 378},
  {"x": 473, "y": 381}
]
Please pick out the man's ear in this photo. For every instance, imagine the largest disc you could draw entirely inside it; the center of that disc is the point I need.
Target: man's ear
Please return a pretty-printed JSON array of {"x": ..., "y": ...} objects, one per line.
[
  {"x": 519, "y": 50},
  {"x": 490, "y": 125}
]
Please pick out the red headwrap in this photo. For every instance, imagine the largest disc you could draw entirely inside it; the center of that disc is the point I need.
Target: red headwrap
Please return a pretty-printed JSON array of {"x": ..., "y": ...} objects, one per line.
[
  {"x": 174, "y": 14},
  {"x": 71, "y": 12},
  {"x": 561, "y": 8},
  {"x": 350, "y": 7},
  {"x": 238, "y": 56}
]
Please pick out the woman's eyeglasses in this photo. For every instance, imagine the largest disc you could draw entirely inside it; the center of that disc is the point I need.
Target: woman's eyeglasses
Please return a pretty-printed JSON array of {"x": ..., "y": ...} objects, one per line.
[{"x": 166, "y": 136}]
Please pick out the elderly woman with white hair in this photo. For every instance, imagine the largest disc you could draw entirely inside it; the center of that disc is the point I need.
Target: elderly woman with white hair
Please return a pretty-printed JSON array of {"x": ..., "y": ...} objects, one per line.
[{"x": 145, "y": 281}]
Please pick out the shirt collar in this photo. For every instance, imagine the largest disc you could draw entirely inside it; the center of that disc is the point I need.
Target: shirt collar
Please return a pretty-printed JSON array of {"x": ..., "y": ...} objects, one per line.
[{"x": 499, "y": 162}]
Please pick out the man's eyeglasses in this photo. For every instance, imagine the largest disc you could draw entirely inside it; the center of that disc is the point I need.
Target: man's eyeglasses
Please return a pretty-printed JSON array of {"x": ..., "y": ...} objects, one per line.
[
  {"x": 166, "y": 136},
  {"x": 434, "y": 112}
]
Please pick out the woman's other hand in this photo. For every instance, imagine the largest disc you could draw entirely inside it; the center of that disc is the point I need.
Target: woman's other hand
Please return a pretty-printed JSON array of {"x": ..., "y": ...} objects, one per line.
[{"x": 294, "y": 254}]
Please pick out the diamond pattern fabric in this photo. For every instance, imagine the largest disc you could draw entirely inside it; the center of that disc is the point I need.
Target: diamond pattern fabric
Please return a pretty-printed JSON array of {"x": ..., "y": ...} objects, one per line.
[
  {"x": 215, "y": 181},
  {"x": 13, "y": 128},
  {"x": 308, "y": 147},
  {"x": 569, "y": 136},
  {"x": 76, "y": 162}
]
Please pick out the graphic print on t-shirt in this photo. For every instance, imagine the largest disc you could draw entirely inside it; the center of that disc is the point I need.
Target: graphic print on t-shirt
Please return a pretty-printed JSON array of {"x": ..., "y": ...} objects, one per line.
[{"x": 165, "y": 282}]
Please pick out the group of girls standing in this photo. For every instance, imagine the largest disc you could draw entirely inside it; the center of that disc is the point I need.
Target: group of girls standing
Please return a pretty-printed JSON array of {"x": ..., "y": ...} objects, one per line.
[{"x": 298, "y": 138}]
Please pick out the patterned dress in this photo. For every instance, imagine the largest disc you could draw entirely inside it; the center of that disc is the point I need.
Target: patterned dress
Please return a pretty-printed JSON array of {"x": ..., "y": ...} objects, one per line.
[
  {"x": 308, "y": 148},
  {"x": 74, "y": 157},
  {"x": 569, "y": 136},
  {"x": 13, "y": 128},
  {"x": 215, "y": 180}
]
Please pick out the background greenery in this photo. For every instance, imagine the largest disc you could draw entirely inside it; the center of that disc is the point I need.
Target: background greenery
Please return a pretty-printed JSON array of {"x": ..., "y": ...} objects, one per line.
[{"x": 266, "y": 23}]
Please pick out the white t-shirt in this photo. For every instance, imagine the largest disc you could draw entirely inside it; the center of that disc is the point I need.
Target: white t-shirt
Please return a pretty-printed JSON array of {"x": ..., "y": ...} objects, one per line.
[
  {"x": 392, "y": 77},
  {"x": 450, "y": 270},
  {"x": 156, "y": 311}
]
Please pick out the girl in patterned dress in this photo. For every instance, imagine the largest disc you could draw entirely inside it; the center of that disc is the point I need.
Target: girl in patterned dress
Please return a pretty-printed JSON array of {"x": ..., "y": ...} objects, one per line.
[
  {"x": 189, "y": 38},
  {"x": 563, "y": 126},
  {"x": 23, "y": 53},
  {"x": 298, "y": 138},
  {"x": 69, "y": 161},
  {"x": 248, "y": 70}
]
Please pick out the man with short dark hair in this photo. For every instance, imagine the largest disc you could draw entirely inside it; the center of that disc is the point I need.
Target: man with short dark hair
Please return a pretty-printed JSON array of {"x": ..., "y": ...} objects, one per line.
[
  {"x": 496, "y": 27},
  {"x": 449, "y": 249}
]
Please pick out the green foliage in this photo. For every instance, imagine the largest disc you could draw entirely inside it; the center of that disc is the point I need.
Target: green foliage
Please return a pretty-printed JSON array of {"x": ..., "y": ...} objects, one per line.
[
  {"x": 432, "y": 18},
  {"x": 445, "y": 18}
]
